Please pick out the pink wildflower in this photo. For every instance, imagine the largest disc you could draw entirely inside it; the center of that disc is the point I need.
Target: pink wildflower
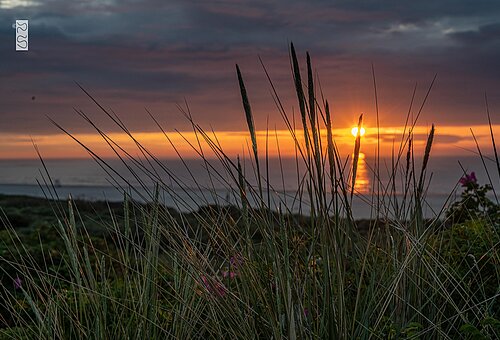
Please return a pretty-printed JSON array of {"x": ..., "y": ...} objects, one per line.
[
  {"x": 229, "y": 274},
  {"x": 236, "y": 261},
  {"x": 214, "y": 287},
  {"x": 468, "y": 179},
  {"x": 18, "y": 283}
]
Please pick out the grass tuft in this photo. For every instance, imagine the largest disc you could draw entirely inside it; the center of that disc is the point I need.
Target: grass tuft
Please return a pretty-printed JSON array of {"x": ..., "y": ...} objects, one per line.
[{"x": 248, "y": 267}]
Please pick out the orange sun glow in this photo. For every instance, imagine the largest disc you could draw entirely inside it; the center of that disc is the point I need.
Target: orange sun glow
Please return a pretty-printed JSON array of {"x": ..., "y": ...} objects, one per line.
[{"x": 354, "y": 131}]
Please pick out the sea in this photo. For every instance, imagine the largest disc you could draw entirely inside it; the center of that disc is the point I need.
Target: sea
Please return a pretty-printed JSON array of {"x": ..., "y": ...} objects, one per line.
[{"x": 190, "y": 183}]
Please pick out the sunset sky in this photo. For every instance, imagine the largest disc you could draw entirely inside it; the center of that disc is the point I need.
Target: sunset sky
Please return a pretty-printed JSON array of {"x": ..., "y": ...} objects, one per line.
[{"x": 157, "y": 54}]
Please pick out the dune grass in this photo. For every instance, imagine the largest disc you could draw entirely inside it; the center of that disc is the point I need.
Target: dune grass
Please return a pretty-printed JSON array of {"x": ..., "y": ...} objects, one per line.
[{"x": 258, "y": 269}]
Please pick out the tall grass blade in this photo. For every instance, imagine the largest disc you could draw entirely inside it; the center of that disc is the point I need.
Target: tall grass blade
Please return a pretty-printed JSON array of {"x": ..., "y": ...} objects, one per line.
[
  {"x": 357, "y": 146},
  {"x": 425, "y": 161},
  {"x": 493, "y": 144},
  {"x": 300, "y": 95},
  {"x": 251, "y": 125}
]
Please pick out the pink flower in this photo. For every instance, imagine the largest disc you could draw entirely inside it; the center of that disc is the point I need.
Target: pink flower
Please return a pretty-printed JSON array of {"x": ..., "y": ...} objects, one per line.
[
  {"x": 236, "y": 261},
  {"x": 229, "y": 274},
  {"x": 468, "y": 179},
  {"x": 215, "y": 288},
  {"x": 232, "y": 270},
  {"x": 306, "y": 312},
  {"x": 18, "y": 283}
]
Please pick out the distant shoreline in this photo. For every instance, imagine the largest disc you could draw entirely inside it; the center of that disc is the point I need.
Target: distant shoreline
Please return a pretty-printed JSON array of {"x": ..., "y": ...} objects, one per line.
[
  {"x": 22, "y": 212},
  {"x": 184, "y": 203}
]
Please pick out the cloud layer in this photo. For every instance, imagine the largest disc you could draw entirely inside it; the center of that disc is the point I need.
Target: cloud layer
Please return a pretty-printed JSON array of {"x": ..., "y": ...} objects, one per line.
[{"x": 157, "y": 54}]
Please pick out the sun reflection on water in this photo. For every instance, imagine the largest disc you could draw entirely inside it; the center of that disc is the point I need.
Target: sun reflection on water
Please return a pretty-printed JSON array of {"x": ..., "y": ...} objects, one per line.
[{"x": 362, "y": 184}]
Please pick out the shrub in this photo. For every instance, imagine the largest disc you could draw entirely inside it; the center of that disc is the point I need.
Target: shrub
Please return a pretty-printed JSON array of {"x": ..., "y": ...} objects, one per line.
[{"x": 474, "y": 203}]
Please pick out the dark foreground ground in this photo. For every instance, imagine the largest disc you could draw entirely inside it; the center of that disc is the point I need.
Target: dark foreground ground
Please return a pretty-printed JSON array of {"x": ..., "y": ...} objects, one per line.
[{"x": 25, "y": 213}]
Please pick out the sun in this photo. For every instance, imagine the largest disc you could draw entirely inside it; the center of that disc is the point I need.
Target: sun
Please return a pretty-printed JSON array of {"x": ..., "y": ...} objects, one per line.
[{"x": 354, "y": 131}]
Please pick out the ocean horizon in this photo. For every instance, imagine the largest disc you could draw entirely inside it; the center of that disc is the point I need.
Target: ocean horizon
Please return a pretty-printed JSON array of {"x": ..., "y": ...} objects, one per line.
[{"x": 190, "y": 186}]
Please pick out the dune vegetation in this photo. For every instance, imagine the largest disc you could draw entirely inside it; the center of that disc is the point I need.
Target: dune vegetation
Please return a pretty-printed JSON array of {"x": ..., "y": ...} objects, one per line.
[{"x": 257, "y": 268}]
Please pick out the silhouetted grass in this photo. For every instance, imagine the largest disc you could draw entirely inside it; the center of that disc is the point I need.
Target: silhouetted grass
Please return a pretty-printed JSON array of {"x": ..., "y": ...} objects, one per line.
[{"x": 253, "y": 271}]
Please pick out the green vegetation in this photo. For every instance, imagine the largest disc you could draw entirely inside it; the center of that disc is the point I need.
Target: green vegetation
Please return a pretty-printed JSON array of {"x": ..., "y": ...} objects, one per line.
[{"x": 132, "y": 271}]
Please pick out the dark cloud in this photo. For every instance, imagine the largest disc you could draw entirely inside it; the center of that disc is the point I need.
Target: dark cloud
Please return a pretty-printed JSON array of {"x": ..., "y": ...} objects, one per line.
[
  {"x": 136, "y": 54},
  {"x": 484, "y": 34},
  {"x": 418, "y": 11}
]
